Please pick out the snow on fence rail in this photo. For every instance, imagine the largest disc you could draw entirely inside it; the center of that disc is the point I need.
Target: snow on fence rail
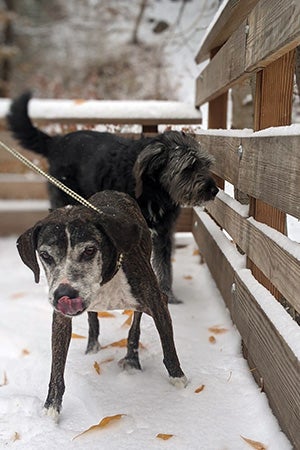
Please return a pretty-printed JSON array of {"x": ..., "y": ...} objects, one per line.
[{"x": 259, "y": 43}]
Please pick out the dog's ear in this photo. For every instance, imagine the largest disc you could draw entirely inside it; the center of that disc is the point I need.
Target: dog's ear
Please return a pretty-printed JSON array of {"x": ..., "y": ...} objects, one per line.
[
  {"x": 149, "y": 162},
  {"x": 26, "y": 245},
  {"x": 123, "y": 232}
]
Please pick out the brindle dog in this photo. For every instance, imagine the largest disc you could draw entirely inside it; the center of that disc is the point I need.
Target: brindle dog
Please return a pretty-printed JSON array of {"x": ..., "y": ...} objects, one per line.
[{"x": 95, "y": 261}]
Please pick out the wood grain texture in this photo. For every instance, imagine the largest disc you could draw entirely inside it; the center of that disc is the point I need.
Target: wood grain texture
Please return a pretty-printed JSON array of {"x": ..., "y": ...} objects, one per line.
[
  {"x": 277, "y": 264},
  {"x": 274, "y": 30},
  {"x": 213, "y": 81},
  {"x": 229, "y": 20},
  {"x": 270, "y": 353},
  {"x": 268, "y": 169}
]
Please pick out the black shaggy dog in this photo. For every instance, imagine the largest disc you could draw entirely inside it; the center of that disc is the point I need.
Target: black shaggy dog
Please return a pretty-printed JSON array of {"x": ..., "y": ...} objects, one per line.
[{"x": 161, "y": 173}]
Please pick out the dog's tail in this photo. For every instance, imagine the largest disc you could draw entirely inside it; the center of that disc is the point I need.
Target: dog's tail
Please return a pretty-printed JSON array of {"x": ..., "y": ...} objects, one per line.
[{"x": 23, "y": 129}]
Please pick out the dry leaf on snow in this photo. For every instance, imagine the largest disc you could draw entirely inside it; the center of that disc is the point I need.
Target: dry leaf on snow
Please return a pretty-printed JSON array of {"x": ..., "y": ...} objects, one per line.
[
  {"x": 128, "y": 321},
  {"x": 79, "y": 101},
  {"x": 102, "y": 424},
  {"x": 187, "y": 277},
  {"x": 120, "y": 343},
  {"x": 15, "y": 437},
  {"x": 200, "y": 388},
  {"x": 17, "y": 295},
  {"x": 77, "y": 336},
  {"x": 163, "y": 436},
  {"x": 5, "y": 380},
  {"x": 97, "y": 367},
  {"x": 254, "y": 444},
  {"x": 105, "y": 314},
  {"x": 217, "y": 330},
  {"x": 25, "y": 352},
  {"x": 196, "y": 252},
  {"x": 212, "y": 339}
]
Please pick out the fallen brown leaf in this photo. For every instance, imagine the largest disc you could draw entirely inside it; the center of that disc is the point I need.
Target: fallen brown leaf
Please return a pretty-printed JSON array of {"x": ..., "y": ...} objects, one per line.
[
  {"x": 164, "y": 437},
  {"x": 25, "y": 352},
  {"x": 128, "y": 321},
  {"x": 97, "y": 367},
  {"x": 77, "y": 336},
  {"x": 102, "y": 424},
  {"x": 254, "y": 444},
  {"x": 5, "y": 380},
  {"x": 217, "y": 330},
  {"x": 188, "y": 277},
  {"x": 212, "y": 339},
  {"x": 120, "y": 343},
  {"x": 196, "y": 252},
  {"x": 105, "y": 314},
  {"x": 107, "y": 360},
  {"x": 199, "y": 389},
  {"x": 17, "y": 295},
  {"x": 79, "y": 101},
  {"x": 15, "y": 437}
]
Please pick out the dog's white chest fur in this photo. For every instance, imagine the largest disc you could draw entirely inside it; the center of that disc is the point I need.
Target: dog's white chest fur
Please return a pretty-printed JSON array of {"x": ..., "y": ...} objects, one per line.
[{"x": 116, "y": 294}]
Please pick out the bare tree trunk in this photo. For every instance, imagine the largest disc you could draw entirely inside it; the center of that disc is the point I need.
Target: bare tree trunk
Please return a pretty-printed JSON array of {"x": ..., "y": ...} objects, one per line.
[
  {"x": 297, "y": 70},
  {"x": 8, "y": 38},
  {"x": 138, "y": 21}
]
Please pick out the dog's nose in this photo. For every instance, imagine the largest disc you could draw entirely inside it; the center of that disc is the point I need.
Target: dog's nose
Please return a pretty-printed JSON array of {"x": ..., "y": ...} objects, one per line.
[
  {"x": 64, "y": 290},
  {"x": 214, "y": 191}
]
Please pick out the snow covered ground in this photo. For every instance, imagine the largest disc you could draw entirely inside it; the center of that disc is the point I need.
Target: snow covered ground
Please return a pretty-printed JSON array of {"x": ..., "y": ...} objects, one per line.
[{"x": 220, "y": 408}]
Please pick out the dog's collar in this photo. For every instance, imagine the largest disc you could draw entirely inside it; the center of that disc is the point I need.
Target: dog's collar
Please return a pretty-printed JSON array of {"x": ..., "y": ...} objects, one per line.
[{"x": 119, "y": 262}]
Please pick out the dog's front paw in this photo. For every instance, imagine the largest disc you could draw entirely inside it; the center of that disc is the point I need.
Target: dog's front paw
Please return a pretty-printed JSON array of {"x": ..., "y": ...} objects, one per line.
[
  {"x": 172, "y": 299},
  {"x": 51, "y": 412},
  {"x": 92, "y": 347},
  {"x": 129, "y": 364},
  {"x": 179, "y": 382}
]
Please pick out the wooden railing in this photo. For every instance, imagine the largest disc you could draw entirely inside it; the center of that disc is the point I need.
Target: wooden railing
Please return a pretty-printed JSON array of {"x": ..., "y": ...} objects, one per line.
[{"x": 256, "y": 39}]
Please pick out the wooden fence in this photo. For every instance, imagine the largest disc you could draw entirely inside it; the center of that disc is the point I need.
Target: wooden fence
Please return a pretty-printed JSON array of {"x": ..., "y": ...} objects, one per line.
[{"x": 256, "y": 39}]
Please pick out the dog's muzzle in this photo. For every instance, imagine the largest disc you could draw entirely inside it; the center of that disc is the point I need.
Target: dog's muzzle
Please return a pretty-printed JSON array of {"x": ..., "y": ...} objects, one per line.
[{"x": 67, "y": 300}]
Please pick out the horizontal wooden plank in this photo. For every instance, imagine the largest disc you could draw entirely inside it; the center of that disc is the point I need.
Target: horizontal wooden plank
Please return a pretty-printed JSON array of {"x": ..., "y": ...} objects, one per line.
[
  {"x": 232, "y": 15},
  {"x": 271, "y": 29},
  {"x": 22, "y": 187},
  {"x": 266, "y": 167},
  {"x": 225, "y": 68},
  {"x": 271, "y": 354},
  {"x": 270, "y": 171},
  {"x": 218, "y": 261},
  {"x": 270, "y": 256}
]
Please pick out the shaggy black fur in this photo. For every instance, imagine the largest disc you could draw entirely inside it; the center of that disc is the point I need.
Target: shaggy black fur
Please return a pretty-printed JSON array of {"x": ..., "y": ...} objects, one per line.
[{"x": 162, "y": 173}]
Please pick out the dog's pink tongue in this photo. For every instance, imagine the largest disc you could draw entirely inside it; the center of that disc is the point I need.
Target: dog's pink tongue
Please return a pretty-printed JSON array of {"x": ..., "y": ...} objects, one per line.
[{"x": 70, "y": 306}]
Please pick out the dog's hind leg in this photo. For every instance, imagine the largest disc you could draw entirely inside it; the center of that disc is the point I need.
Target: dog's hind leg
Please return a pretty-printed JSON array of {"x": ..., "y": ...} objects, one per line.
[
  {"x": 61, "y": 336},
  {"x": 93, "y": 345},
  {"x": 163, "y": 322},
  {"x": 162, "y": 265},
  {"x": 131, "y": 360}
]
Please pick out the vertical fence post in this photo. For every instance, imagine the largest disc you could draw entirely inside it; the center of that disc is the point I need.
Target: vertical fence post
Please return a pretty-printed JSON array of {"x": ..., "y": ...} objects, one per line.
[
  {"x": 273, "y": 107},
  {"x": 217, "y": 116}
]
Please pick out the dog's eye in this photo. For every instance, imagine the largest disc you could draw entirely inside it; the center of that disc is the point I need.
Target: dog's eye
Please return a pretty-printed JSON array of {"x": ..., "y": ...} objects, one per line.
[
  {"x": 46, "y": 257},
  {"x": 89, "y": 252}
]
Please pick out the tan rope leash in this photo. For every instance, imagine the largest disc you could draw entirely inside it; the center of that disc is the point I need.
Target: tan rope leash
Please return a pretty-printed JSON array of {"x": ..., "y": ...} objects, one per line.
[{"x": 50, "y": 178}]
